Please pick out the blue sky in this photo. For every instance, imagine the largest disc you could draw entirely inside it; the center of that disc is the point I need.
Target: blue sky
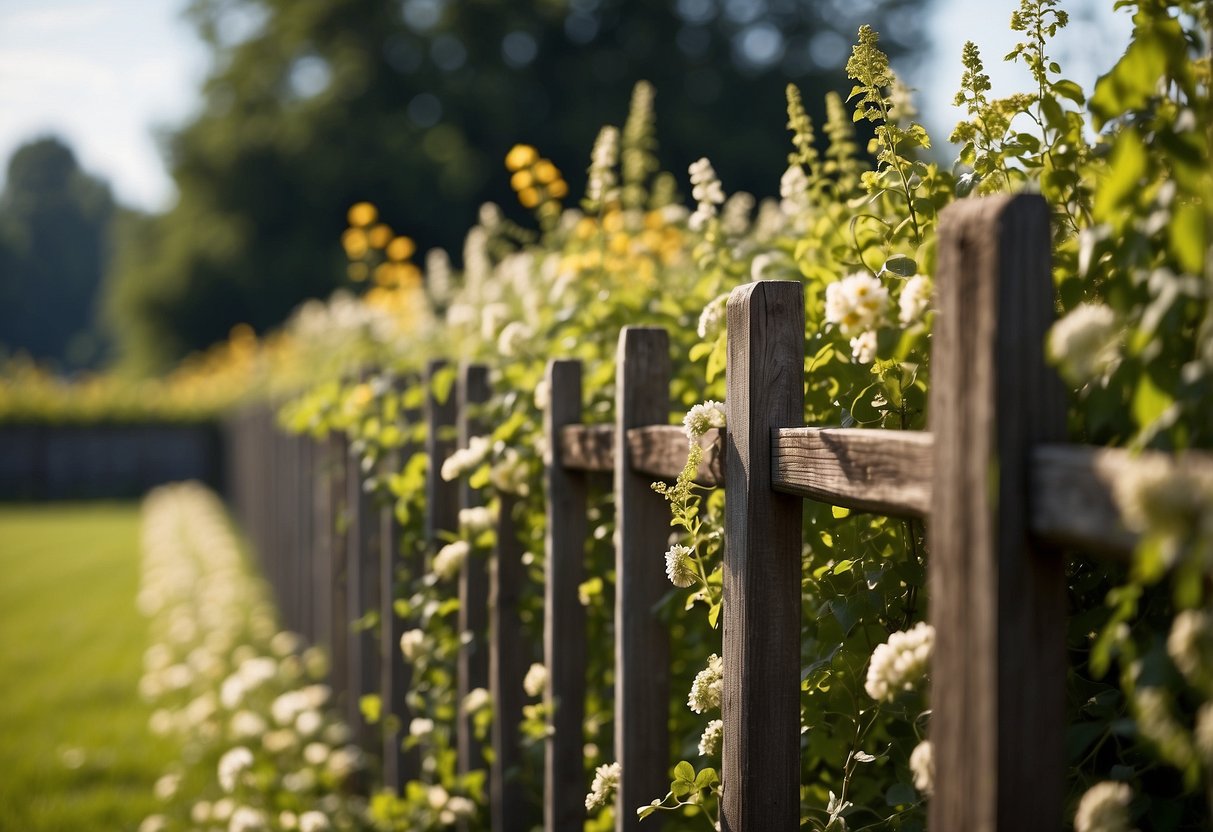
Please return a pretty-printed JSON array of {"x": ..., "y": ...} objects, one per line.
[{"x": 105, "y": 74}]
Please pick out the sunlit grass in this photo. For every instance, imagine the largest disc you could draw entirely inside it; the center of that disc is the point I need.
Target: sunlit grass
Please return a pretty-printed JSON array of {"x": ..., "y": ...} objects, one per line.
[{"x": 75, "y": 751}]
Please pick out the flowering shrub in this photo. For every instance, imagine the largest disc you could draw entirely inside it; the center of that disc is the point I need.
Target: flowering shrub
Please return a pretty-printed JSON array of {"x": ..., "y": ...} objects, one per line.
[
  {"x": 260, "y": 747},
  {"x": 1123, "y": 168}
]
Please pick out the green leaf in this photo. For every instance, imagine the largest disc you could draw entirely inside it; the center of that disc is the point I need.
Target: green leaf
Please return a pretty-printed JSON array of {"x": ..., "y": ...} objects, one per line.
[
  {"x": 902, "y": 265},
  {"x": 717, "y": 360},
  {"x": 684, "y": 772},
  {"x": 900, "y": 794},
  {"x": 1070, "y": 90},
  {"x": 1187, "y": 232},
  {"x": 1127, "y": 167},
  {"x": 839, "y": 512},
  {"x": 441, "y": 383},
  {"x": 843, "y": 566},
  {"x": 371, "y": 706},
  {"x": 699, "y": 350},
  {"x": 1149, "y": 402},
  {"x": 1133, "y": 80}
]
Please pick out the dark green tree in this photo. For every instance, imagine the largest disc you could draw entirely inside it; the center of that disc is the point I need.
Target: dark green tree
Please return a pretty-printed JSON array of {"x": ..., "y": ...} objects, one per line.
[
  {"x": 316, "y": 104},
  {"x": 54, "y": 226}
]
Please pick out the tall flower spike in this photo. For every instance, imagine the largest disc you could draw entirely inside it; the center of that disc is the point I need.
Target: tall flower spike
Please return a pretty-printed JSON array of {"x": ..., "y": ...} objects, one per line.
[
  {"x": 601, "y": 187},
  {"x": 639, "y": 158}
]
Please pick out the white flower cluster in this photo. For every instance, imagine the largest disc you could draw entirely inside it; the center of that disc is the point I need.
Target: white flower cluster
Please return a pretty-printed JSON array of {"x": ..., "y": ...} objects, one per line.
[
  {"x": 707, "y": 686},
  {"x": 476, "y": 519},
  {"x": 536, "y": 680},
  {"x": 915, "y": 299},
  {"x": 413, "y": 645},
  {"x": 509, "y": 473},
  {"x": 703, "y": 417},
  {"x": 449, "y": 559},
  {"x": 856, "y": 304},
  {"x": 900, "y": 663},
  {"x": 1084, "y": 344},
  {"x": 735, "y": 216},
  {"x": 922, "y": 767},
  {"x": 606, "y": 781},
  {"x": 712, "y": 319},
  {"x": 1190, "y": 645},
  {"x": 229, "y": 686},
  {"x": 1174, "y": 501},
  {"x": 707, "y": 192},
  {"x": 513, "y": 336},
  {"x": 709, "y": 743},
  {"x": 466, "y": 459},
  {"x": 794, "y": 191},
  {"x": 1104, "y": 808},
  {"x": 679, "y": 566},
  {"x": 601, "y": 184}
]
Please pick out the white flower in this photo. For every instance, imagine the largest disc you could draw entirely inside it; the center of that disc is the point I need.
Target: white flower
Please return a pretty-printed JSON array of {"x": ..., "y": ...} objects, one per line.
[
  {"x": 606, "y": 780},
  {"x": 166, "y": 786},
  {"x": 288, "y": 820},
  {"x": 412, "y": 644},
  {"x": 466, "y": 459},
  {"x": 712, "y": 319},
  {"x": 247, "y": 819},
  {"x": 922, "y": 766},
  {"x": 421, "y": 727},
  {"x": 679, "y": 567},
  {"x": 315, "y": 753},
  {"x": 247, "y": 725},
  {"x": 509, "y": 474},
  {"x": 709, "y": 743},
  {"x": 286, "y": 707},
  {"x": 794, "y": 191},
  {"x": 314, "y": 822},
  {"x": 450, "y": 558},
  {"x": 1203, "y": 734},
  {"x": 1190, "y": 644},
  {"x": 233, "y": 764},
  {"x": 1104, "y": 808},
  {"x": 856, "y": 303},
  {"x": 308, "y": 722},
  {"x": 154, "y": 823},
  {"x": 900, "y": 663},
  {"x": 543, "y": 394},
  {"x": 200, "y": 812},
  {"x": 703, "y": 417},
  {"x": 345, "y": 761},
  {"x": 476, "y": 519},
  {"x": 735, "y": 216},
  {"x": 600, "y": 186},
  {"x": 477, "y": 699},
  {"x": 863, "y": 347},
  {"x": 512, "y": 337},
  {"x": 914, "y": 300},
  {"x": 1083, "y": 344},
  {"x": 707, "y": 192},
  {"x": 460, "y": 807},
  {"x": 707, "y": 687},
  {"x": 536, "y": 680}
]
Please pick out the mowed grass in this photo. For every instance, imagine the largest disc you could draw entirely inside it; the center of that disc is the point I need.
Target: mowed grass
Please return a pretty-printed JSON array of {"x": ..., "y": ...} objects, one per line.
[{"x": 75, "y": 751}]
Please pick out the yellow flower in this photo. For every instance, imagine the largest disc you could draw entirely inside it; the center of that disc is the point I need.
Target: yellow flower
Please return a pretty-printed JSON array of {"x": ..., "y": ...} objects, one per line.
[
  {"x": 545, "y": 172},
  {"x": 529, "y": 197},
  {"x": 355, "y": 243},
  {"x": 559, "y": 189},
  {"x": 521, "y": 180},
  {"x": 362, "y": 213},
  {"x": 379, "y": 236},
  {"x": 520, "y": 156},
  {"x": 401, "y": 248}
]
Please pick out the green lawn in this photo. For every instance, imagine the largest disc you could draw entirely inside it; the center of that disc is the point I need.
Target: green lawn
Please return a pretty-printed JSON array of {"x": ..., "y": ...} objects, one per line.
[{"x": 75, "y": 752}]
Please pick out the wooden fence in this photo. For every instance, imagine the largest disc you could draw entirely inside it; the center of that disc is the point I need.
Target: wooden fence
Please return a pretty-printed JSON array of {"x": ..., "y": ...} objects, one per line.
[{"x": 1003, "y": 496}]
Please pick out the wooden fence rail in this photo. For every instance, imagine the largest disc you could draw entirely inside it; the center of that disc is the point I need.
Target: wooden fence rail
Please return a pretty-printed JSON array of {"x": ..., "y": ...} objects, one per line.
[{"x": 1001, "y": 492}]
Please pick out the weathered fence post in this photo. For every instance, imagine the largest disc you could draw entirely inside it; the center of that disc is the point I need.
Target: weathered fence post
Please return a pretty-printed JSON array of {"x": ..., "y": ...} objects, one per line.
[
  {"x": 642, "y": 521},
  {"x": 761, "y": 695},
  {"x": 473, "y": 669},
  {"x": 508, "y": 657},
  {"x": 362, "y": 593},
  {"x": 335, "y": 581},
  {"x": 997, "y": 599},
  {"x": 564, "y": 647}
]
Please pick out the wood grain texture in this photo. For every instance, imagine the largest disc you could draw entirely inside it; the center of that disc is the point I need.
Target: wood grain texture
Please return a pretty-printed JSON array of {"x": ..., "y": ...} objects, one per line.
[
  {"x": 761, "y": 697},
  {"x": 335, "y": 581},
  {"x": 399, "y": 766},
  {"x": 642, "y": 521},
  {"x": 509, "y": 659},
  {"x": 881, "y": 471},
  {"x": 997, "y": 599},
  {"x": 564, "y": 637},
  {"x": 587, "y": 447},
  {"x": 362, "y": 595},
  {"x": 473, "y": 391},
  {"x": 660, "y": 451}
]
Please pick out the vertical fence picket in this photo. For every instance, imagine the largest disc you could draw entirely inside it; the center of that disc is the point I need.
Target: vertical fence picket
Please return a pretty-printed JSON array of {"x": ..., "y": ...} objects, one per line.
[
  {"x": 508, "y": 654},
  {"x": 336, "y": 579},
  {"x": 997, "y": 600},
  {"x": 399, "y": 766},
  {"x": 361, "y": 592},
  {"x": 473, "y": 669},
  {"x": 642, "y": 676},
  {"x": 761, "y": 697},
  {"x": 564, "y": 637}
]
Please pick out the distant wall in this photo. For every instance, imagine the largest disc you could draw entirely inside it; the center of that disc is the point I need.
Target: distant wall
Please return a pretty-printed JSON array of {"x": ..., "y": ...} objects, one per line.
[{"x": 67, "y": 462}]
